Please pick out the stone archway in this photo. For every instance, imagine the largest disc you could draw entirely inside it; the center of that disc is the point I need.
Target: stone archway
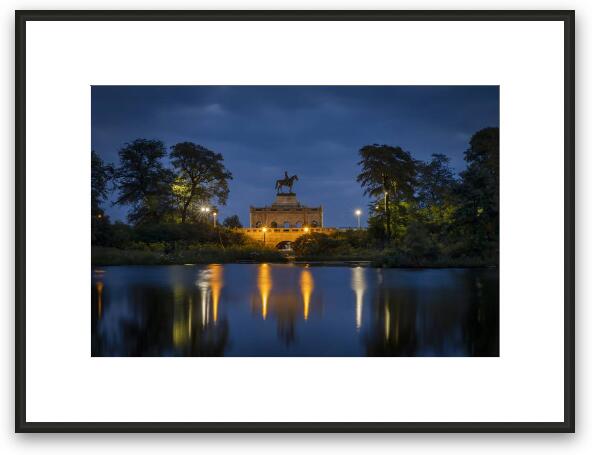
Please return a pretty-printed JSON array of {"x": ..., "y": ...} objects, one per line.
[{"x": 285, "y": 245}]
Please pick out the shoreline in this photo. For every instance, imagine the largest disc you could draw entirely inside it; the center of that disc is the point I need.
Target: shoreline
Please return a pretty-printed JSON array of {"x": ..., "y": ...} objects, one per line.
[{"x": 102, "y": 257}]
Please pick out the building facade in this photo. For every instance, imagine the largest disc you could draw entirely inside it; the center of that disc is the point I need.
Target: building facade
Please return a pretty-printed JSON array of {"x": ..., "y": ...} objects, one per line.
[
  {"x": 284, "y": 221},
  {"x": 286, "y": 212}
]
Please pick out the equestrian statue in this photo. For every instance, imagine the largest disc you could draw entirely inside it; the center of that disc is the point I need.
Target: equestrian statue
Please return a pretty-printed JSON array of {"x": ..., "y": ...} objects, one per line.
[{"x": 285, "y": 182}]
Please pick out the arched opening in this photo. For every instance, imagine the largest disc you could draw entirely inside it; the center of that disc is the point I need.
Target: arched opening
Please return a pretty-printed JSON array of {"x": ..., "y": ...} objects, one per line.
[
  {"x": 273, "y": 224},
  {"x": 258, "y": 224},
  {"x": 286, "y": 224},
  {"x": 298, "y": 224},
  {"x": 284, "y": 246},
  {"x": 314, "y": 224}
]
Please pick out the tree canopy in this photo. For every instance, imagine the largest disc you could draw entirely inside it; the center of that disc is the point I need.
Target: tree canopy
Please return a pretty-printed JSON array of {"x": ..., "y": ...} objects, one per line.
[
  {"x": 389, "y": 172},
  {"x": 143, "y": 181},
  {"x": 200, "y": 177}
]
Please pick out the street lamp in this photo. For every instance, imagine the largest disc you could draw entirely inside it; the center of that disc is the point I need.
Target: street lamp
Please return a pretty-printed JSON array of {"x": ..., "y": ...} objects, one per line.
[
  {"x": 214, "y": 214},
  {"x": 358, "y": 212},
  {"x": 264, "y": 231}
]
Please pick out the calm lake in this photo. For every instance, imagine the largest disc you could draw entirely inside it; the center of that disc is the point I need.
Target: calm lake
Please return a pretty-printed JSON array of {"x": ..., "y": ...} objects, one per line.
[{"x": 293, "y": 310}]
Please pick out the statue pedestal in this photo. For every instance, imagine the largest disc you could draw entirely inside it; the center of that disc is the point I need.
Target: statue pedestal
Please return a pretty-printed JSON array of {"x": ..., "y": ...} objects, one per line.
[{"x": 286, "y": 200}]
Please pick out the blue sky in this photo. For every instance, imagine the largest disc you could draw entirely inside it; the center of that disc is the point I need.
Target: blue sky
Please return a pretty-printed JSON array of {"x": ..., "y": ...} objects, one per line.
[{"x": 312, "y": 131}]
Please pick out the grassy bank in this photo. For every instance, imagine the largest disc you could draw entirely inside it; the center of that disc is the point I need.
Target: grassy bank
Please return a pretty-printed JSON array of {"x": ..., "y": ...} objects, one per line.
[
  {"x": 102, "y": 256},
  {"x": 202, "y": 255}
]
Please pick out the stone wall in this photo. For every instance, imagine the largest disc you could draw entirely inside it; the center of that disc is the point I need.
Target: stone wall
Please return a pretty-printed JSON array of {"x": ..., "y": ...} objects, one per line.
[
  {"x": 275, "y": 236},
  {"x": 286, "y": 212}
]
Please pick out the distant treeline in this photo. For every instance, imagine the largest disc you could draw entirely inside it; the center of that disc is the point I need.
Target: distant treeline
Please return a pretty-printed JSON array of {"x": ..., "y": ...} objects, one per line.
[{"x": 420, "y": 213}]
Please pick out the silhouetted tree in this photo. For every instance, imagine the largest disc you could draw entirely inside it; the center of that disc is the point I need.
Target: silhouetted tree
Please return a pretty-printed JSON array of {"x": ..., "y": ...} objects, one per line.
[
  {"x": 143, "y": 182},
  {"x": 232, "y": 222},
  {"x": 101, "y": 175},
  {"x": 200, "y": 176},
  {"x": 477, "y": 218},
  {"x": 387, "y": 172}
]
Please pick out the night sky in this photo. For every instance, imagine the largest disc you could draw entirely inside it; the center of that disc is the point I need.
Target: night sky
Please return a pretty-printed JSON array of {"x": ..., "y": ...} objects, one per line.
[{"x": 312, "y": 131}]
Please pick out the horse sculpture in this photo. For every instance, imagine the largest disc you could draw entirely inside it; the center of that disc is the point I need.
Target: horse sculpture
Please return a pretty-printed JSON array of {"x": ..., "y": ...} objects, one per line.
[{"x": 285, "y": 182}]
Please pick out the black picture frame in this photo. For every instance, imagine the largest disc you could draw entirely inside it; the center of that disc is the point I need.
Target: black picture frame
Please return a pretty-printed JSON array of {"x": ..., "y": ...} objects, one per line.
[{"x": 568, "y": 424}]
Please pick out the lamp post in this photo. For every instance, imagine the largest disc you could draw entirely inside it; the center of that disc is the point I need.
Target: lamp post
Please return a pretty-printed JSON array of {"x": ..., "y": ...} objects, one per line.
[
  {"x": 264, "y": 231},
  {"x": 358, "y": 212},
  {"x": 204, "y": 211},
  {"x": 214, "y": 214}
]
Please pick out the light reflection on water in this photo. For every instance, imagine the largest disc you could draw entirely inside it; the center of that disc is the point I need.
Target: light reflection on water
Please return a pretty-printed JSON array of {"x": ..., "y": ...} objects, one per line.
[{"x": 293, "y": 310}]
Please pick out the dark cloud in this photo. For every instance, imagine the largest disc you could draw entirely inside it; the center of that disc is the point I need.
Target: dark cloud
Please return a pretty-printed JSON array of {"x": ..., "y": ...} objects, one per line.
[{"x": 313, "y": 131}]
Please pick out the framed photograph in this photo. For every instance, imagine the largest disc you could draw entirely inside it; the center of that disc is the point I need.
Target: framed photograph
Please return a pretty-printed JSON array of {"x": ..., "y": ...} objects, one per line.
[{"x": 294, "y": 221}]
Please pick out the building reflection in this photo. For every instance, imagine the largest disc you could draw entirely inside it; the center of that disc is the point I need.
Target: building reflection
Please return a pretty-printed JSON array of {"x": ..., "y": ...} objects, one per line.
[
  {"x": 189, "y": 311},
  {"x": 358, "y": 284},
  {"x": 216, "y": 285},
  {"x": 306, "y": 288},
  {"x": 264, "y": 284},
  {"x": 284, "y": 299}
]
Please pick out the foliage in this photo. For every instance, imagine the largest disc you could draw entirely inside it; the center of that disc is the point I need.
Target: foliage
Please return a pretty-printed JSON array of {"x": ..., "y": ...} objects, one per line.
[
  {"x": 421, "y": 213},
  {"x": 196, "y": 254},
  {"x": 200, "y": 177},
  {"x": 477, "y": 218},
  {"x": 101, "y": 176},
  {"x": 232, "y": 222},
  {"x": 144, "y": 182},
  {"x": 389, "y": 172},
  {"x": 438, "y": 218}
]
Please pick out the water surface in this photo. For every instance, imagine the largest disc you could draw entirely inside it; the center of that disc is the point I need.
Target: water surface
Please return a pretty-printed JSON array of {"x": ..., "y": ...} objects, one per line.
[{"x": 293, "y": 310}]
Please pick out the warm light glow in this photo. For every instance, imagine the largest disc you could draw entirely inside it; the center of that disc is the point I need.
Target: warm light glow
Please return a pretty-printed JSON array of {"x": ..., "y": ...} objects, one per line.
[
  {"x": 264, "y": 284},
  {"x": 203, "y": 283},
  {"x": 216, "y": 284},
  {"x": 100, "y": 297},
  {"x": 387, "y": 323},
  {"x": 306, "y": 288},
  {"x": 358, "y": 212},
  {"x": 306, "y": 229},
  {"x": 358, "y": 284},
  {"x": 264, "y": 229}
]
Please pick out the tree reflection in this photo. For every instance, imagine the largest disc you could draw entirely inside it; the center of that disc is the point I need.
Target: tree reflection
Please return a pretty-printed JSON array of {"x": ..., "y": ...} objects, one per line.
[
  {"x": 411, "y": 321},
  {"x": 160, "y": 321},
  {"x": 190, "y": 311}
]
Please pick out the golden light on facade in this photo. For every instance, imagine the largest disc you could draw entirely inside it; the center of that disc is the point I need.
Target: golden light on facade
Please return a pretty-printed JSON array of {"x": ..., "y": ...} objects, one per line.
[
  {"x": 264, "y": 284},
  {"x": 358, "y": 284},
  {"x": 306, "y": 288},
  {"x": 306, "y": 229}
]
